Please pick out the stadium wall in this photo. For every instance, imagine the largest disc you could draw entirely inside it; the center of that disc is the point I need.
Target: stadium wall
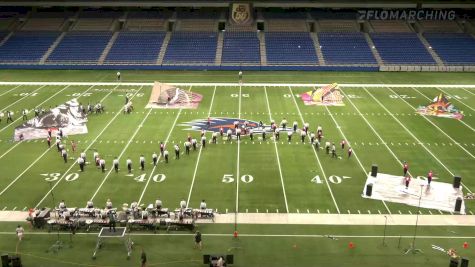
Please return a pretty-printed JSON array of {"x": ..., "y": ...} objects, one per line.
[{"x": 186, "y": 67}]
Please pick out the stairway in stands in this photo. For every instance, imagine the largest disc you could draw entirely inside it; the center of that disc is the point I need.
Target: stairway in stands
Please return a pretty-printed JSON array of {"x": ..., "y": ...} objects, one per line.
[
  {"x": 52, "y": 47},
  {"x": 431, "y": 52},
  {"x": 318, "y": 49},
  {"x": 111, "y": 42},
  {"x": 161, "y": 55},
  {"x": 219, "y": 48},
  {"x": 375, "y": 52},
  {"x": 262, "y": 46}
]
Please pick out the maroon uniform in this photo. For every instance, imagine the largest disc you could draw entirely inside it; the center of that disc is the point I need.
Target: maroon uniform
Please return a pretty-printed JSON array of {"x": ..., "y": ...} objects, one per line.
[
  {"x": 407, "y": 180},
  {"x": 429, "y": 177},
  {"x": 343, "y": 144},
  {"x": 405, "y": 168}
]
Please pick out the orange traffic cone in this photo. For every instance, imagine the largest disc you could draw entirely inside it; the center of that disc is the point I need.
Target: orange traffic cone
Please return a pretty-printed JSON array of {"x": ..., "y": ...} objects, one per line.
[
  {"x": 465, "y": 245},
  {"x": 235, "y": 234}
]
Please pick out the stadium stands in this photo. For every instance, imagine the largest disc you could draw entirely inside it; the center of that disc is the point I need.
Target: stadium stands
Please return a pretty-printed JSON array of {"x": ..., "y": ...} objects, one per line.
[
  {"x": 241, "y": 48},
  {"x": 43, "y": 24},
  {"x": 345, "y": 48},
  {"x": 390, "y": 26},
  {"x": 290, "y": 48},
  {"x": 453, "y": 48},
  {"x": 26, "y": 46},
  {"x": 191, "y": 47},
  {"x": 286, "y": 25},
  {"x": 136, "y": 47},
  {"x": 440, "y": 26},
  {"x": 85, "y": 47},
  {"x": 401, "y": 48},
  {"x": 337, "y": 26}
]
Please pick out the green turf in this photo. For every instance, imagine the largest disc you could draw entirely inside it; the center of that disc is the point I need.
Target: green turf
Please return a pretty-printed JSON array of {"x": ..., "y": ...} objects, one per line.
[{"x": 29, "y": 170}]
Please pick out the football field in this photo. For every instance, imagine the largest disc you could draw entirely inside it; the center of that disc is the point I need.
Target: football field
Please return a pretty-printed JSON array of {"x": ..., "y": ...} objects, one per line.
[
  {"x": 259, "y": 176},
  {"x": 378, "y": 121}
]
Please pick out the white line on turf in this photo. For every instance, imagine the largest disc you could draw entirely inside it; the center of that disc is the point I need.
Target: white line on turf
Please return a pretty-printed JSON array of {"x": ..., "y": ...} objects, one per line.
[
  {"x": 354, "y": 152},
  {"x": 4, "y": 93},
  {"x": 468, "y": 91},
  {"x": 121, "y": 154},
  {"x": 413, "y": 136},
  {"x": 11, "y": 148},
  {"x": 433, "y": 124},
  {"x": 34, "y": 91},
  {"x": 461, "y": 102},
  {"x": 468, "y": 126},
  {"x": 316, "y": 155},
  {"x": 277, "y": 156},
  {"x": 245, "y": 84},
  {"x": 160, "y": 155},
  {"x": 199, "y": 155},
  {"x": 89, "y": 146},
  {"x": 238, "y": 156}
]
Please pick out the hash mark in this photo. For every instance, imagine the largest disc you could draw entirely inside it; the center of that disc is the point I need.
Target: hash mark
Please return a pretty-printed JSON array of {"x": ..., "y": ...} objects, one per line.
[
  {"x": 308, "y": 211},
  {"x": 410, "y": 212},
  {"x": 441, "y": 212},
  {"x": 359, "y": 212},
  {"x": 399, "y": 212}
]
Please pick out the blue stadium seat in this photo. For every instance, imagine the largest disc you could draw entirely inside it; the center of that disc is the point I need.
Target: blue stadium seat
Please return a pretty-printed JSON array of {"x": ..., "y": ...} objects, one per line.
[
  {"x": 401, "y": 48},
  {"x": 453, "y": 48},
  {"x": 290, "y": 48},
  {"x": 345, "y": 48},
  {"x": 241, "y": 47},
  {"x": 27, "y": 46},
  {"x": 136, "y": 47},
  {"x": 191, "y": 47},
  {"x": 80, "y": 47}
]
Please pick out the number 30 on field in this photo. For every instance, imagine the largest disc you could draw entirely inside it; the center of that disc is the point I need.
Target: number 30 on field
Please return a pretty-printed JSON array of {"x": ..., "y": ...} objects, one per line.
[{"x": 246, "y": 178}]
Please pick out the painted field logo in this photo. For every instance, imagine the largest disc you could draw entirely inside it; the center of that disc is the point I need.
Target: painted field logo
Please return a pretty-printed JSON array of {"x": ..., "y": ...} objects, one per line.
[
  {"x": 215, "y": 124},
  {"x": 441, "y": 107}
]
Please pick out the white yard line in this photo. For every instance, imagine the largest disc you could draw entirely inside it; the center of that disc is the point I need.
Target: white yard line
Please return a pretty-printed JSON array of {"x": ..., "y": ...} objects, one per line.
[
  {"x": 468, "y": 126},
  {"x": 277, "y": 156},
  {"x": 413, "y": 136},
  {"x": 34, "y": 91},
  {"x": 461, "y": 102},
  {"x": 31, "y": 110},
  {"x": 160, "y": 155},
  {"x": 468, "y": 91},
  {"x": 89, "y": 146},
  {"x": 315, "y": 153},
  {"x": 11, "y": 148},
  {"x": 238, "y": 156},
  {"x": 4, "y": 93},
  {"x": 354, "y": 151},
  {"x": 383, "y": 85},
  {"x": 199, "y": 155},
  {"x": 433, "y": 124},
  {"x": 122, "y": 153}
]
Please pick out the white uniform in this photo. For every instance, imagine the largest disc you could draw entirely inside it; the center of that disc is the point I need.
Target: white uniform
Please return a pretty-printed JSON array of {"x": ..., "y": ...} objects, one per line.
[
  {"x": 203, "y": 205},
  {"x": 89, "y": 204},
  {"x": 83, "y": 155},
  {"x": 80, "y": 161},
  {"x": 108, "y": 204},
  {"x": 158, "y": 204},
  {"x": 183, "y": 204},
  {"x": 102, "y": 162},
  {"x": 142, "y": 159}
]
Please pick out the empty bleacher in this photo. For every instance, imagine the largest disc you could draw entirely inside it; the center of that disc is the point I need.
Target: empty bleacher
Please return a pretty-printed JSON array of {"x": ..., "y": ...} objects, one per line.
[
  {"x": 332, "y": 25},
  {"x": 401, "y": 48},
  {"x": 191, "y": 47},
  {"x": 96, "y": 20},
  {"x": 43, "y": 24},
  {"x": 290, "y": 48},
  {"x": 27, "y": 46},
  {"x": 189, "y": 25},
  {"x": 345, "y": 48},
  {"x": 84, "y": 47},
  {"x": 453, "y": 48},
  {"x": 286, "y": 25},
  {"x": 390, "y": 26},
  {"x": 136, "y": 47},
  {"x": 440, "y": 26},
  {"x": 241, "y": 48},
  {"x": 147, "y": 21}
]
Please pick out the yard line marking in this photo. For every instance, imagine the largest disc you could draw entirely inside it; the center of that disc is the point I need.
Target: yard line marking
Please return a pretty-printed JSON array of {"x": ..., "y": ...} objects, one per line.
[
  {"x": 354, "y": 152},
  {"x": 464, "y": 123},
  {"x": 410, "y": 212},
  {"x": 246, "y": 84},
  {"x": 89, "y": 146},
  {"x": 441, "y": 212},
  {"x": 468, "y": 91},
  {"x": 10, "y": 90},
  {"x": 430, "y": 212},
  {"x": 4, "y": 208},
  {"x": 415, "y": 138},
  {"x": 199, "y": 154},
  {"x": 277, "y": 156},
  {"x": 11, "y": 148},
  {"x": 23, "y": 97},
  {"x": 238, "y": 159},
  {"x": 14, "y": 208},
  {"x": 121, "y": 154},
  {"x": 308, "y": 211},
  {"x": 433, "y": 124},
  {"x": 315, "y": 153}
]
